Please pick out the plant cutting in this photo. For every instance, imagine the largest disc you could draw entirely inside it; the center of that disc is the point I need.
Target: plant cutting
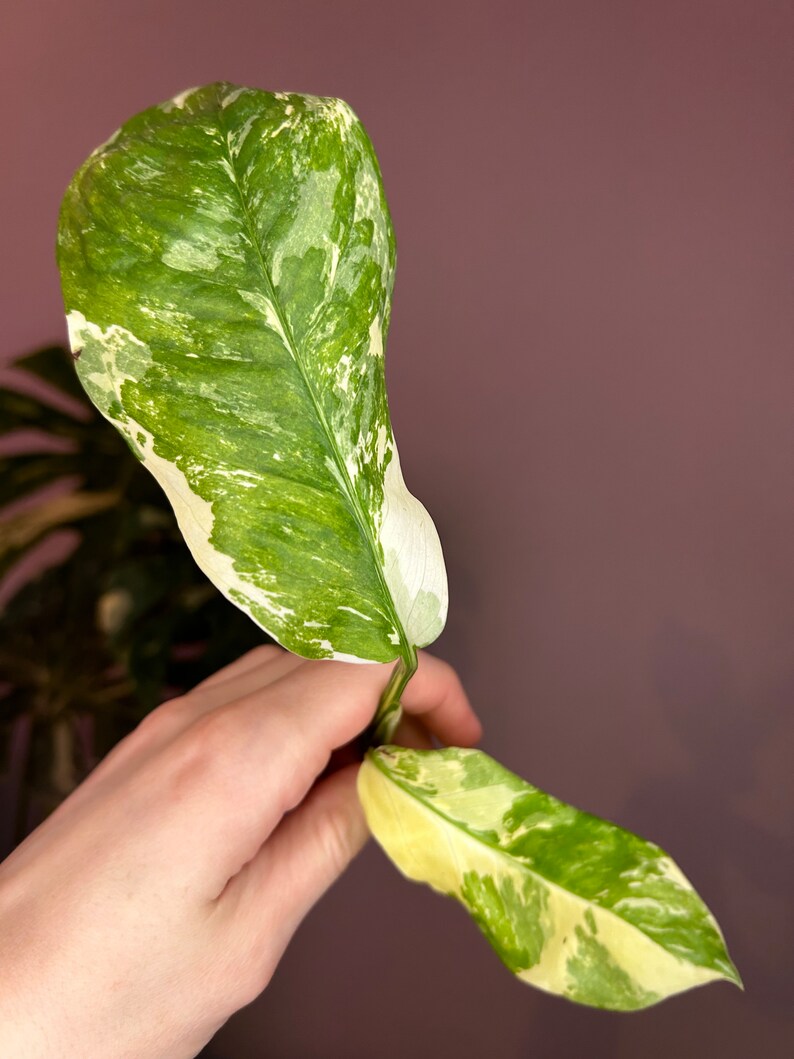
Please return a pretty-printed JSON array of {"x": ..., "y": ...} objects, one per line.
[{"x": 227, "y": 261}]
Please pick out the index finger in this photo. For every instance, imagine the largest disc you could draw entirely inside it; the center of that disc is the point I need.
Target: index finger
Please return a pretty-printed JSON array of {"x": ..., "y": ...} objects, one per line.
[
  {"x": 436, "y": 694},
  {"x": 264, "y": 751}
]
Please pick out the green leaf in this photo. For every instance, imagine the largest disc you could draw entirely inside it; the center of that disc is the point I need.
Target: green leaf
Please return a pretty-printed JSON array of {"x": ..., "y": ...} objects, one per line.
[
  {"x": 571, "y": 903},
  {"x": 227, "y": 261}
]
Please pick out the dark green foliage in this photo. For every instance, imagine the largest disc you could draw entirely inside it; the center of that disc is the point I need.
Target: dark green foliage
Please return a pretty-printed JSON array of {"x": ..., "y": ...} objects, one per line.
[{"x": 127, "y": 619}]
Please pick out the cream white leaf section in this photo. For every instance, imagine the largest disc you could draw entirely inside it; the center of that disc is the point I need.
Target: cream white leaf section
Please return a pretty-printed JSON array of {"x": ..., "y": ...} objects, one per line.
[{"x": 571, "y": 904}]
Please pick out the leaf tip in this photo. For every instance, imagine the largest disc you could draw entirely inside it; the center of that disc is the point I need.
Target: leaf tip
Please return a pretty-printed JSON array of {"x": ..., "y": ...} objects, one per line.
[{"x": 732, "y": 975}]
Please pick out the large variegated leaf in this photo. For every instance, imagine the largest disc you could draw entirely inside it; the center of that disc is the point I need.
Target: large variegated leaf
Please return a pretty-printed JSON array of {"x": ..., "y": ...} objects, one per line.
[
  {"x": 227, "y": 261},
  {"x": 571, "y": 903}
]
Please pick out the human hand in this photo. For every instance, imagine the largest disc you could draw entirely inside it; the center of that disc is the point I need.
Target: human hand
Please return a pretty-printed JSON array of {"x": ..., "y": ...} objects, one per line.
[{"x": 160, "y": 896}]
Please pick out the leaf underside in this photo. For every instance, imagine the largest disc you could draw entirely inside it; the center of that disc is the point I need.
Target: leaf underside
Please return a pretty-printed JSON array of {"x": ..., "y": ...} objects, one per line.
[
  {"x": 571, "y": 903},
  {"x": 227, "y": 262}
]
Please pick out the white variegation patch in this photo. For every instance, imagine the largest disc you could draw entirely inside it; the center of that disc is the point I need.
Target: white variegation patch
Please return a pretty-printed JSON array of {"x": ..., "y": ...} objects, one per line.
[
  {"x": 360, "y": 614},
  {"x": 232, "y": 96},
  {"x": 342, "y": 112},
  {"x": 108, "y": 375},
  {"x": 339, "y": 656},
  {"x": 441, "y": 831},
  {"x": 193, "y": 513},
  {"x": 270, "y": 317},
  {"x": 413, "y": 559},
  {"x": 178, "y": 101},
  {"x": 195, "y": 518},
  {"x": 191, "y": 255},
  {"x": 375, "y": 338},
  {"x": 315, "y": 203},
  {"x": 235, "y": 140}
]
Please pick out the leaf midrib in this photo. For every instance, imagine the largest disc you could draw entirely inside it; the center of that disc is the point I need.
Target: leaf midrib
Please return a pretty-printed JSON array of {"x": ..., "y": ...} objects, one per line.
[
  {"x": 291, "y": 345},
  {"x": 514, "y": 859}
]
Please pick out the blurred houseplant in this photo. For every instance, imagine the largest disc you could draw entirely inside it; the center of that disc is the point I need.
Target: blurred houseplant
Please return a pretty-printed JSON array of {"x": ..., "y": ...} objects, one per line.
[{"x": 120, "y": 618}]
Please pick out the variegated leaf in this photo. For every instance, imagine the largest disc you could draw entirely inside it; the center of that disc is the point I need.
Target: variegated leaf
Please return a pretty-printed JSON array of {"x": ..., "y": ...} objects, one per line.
[
  {"x": 227, "y": 262},
  {"x": 571, "y": 903}
]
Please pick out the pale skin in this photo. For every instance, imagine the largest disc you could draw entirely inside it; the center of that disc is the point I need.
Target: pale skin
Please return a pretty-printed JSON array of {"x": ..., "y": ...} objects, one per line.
[{"x": 160, "y": 896}]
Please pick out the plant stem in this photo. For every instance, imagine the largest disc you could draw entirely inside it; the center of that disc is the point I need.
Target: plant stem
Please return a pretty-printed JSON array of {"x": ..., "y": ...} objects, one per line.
[{"x": 389, "y": 710}]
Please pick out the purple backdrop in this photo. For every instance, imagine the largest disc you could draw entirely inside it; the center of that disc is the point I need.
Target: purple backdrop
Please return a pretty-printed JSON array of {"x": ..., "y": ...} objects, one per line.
[{"x": 591, "y": 385}]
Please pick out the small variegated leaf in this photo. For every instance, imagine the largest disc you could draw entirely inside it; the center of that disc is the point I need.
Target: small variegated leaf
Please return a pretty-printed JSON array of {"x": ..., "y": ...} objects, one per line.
[
  {"x": 571, "y": 903},
  {"x": 227, "y": 262}
]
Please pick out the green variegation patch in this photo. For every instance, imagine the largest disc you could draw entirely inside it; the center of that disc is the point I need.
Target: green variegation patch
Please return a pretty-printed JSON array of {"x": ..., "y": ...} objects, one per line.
[
  {"x": 571, "y": 903},
  {"x": 227, "y": 262}
]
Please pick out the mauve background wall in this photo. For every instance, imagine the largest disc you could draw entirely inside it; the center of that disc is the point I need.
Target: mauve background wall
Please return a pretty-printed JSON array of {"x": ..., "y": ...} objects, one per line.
[{"x": 591, "y": 385}]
